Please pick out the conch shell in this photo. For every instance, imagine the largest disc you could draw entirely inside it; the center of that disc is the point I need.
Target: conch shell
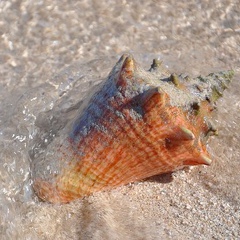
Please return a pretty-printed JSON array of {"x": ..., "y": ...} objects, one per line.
[{"x": 139, "y": 124}]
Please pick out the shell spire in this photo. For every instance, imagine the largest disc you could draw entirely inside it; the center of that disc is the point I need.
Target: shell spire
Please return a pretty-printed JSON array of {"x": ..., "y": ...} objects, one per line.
[{"x": 139, "y": 124}]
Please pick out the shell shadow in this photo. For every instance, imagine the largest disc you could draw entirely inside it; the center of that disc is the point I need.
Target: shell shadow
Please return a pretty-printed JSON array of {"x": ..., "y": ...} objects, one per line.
[{"x": 161, "y": 178}]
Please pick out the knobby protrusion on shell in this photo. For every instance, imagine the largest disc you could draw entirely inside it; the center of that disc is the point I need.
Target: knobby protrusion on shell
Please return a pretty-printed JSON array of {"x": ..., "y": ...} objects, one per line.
[
  {"x": 156, "y": 64},
  {"x": 174, "y": 79},
  {"x": 137, "y": 125}
]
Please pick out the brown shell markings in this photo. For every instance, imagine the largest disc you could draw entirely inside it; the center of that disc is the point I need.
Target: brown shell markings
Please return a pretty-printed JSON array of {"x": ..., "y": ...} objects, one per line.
[{"x": 139, "y": 124}]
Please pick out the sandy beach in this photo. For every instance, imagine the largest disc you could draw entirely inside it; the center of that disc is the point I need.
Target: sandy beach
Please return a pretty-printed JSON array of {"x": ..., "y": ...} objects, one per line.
[{"x": 53, "y": 53}]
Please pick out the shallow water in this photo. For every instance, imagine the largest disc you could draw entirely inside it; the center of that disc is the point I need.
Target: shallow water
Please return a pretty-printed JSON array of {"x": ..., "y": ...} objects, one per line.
[{"x": 41, "y": 38}]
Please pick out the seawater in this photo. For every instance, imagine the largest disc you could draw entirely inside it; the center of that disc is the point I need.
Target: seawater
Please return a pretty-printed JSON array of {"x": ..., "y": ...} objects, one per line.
[{"x": 29, "y": 121}]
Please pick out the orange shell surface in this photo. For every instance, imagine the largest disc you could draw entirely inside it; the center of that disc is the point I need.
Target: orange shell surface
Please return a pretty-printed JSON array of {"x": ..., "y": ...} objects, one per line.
[{"x": 133, "y": 136}]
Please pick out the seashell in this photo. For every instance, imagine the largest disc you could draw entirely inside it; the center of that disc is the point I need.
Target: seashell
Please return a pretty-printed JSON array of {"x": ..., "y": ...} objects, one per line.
[{"x": 139, "y": 124}]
